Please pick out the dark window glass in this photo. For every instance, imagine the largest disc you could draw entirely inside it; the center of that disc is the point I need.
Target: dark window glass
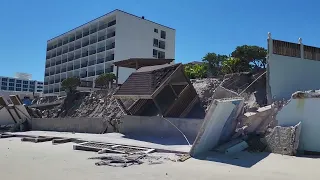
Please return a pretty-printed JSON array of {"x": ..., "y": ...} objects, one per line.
[
  {"x": 155, "y": 53},
  {"x": 163, "y": 34},
  {"x": 155, "y": 42}
]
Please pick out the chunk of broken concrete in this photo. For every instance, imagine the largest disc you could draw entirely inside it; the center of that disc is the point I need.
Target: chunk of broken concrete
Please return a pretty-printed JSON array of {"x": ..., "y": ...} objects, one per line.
[
  {"x": 283, "y": 140},
  {"x": 256, "y": 122}
]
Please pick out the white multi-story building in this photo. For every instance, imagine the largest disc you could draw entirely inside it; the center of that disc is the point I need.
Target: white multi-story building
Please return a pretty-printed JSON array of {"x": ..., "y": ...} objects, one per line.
[
  {"x": 90, "y": 49},
  {"x": 20, "y": 85}
]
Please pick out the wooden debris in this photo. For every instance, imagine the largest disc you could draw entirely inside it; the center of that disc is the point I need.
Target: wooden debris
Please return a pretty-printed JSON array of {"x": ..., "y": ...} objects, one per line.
[{"x": 184, "y": 157}]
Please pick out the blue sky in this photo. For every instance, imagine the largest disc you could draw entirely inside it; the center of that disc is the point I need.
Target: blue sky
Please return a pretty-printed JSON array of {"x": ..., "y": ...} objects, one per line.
[{"x": 201, "y": 26}]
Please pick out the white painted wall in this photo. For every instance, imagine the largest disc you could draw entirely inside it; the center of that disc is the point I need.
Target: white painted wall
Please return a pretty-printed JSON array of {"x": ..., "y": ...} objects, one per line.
[
  {"x": 134, "y": 39},
  {"x": 307, "y": 111},
  {"x": 289, "y": 74}
]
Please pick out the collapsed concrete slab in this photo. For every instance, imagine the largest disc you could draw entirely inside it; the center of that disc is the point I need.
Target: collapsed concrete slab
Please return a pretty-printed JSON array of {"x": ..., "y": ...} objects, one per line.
[
  {"x": 13, "y": 113},
  {"x": 219, "y": 124},
  {"x": 283, "y": 140}
]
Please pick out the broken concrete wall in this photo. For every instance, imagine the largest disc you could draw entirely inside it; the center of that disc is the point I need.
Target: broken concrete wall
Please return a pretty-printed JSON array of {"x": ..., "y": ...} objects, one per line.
[
  {"x": 287, "y": 75},
  {"x": 283, "y": 140},
  {"x": 218, "y": 123},
  {"x": 159, "y": 127},
  {"x": 83, "y": 125},
  {"x": 221, "y": 92},
  {"x": 307, "y": 111},
  {"x": 5, "y": 118}
]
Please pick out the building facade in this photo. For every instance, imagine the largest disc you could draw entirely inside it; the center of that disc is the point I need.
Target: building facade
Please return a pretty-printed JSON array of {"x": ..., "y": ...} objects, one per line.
[
  {"x": 91, "y": 49},
  {"x": 21, "y": 85}
]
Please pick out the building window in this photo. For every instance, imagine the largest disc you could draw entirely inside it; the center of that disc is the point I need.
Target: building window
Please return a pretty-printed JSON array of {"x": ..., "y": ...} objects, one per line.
[
  {"x": 25, "y": 82},
  {"x": 25, "y": 90},
  {"x": 31, "y": 82},
  {"x": 155, "y": 42},
  {"x": 163, "y": 34},
  {"x": 162, "y": 44},
  {"x": 161, "y": 55},
  {"x": 39, "y": 90},
  {"x": 4, "y": 79},
  {"x": 18, "y": 89},
  {"x": 39, "y": 87},
  {"x": 11, "y": 88},
  {"x": 11, "y": 80},
  {"x": 3, "y": 88},
  {"x": 25, "y": 86},
  {"x": 155, "y": 53},
  {"x": 4, "y": 83},
  {"x": 31, "y": 90},
  {"x": 18, "y": 81},
  {"x": 155, "y": 30},
  {"x": 11, "y": 84},
  {"x": 18, "y": 85}
]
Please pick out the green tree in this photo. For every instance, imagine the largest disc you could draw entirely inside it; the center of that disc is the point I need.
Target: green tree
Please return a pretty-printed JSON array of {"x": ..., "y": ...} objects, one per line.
[
  {"x": 105, "y": 79},
  {"x": 233, "y": 65},
  {"x": 254, "y": 55},
  {"x": 70, "y": 84},
  {"x": 196, "y": 71},
  {"x": 214, "y": 62}
]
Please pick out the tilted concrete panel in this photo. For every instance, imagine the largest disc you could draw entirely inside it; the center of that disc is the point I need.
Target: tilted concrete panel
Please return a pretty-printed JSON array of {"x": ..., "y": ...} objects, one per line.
[{"x": 218, "y": 123}]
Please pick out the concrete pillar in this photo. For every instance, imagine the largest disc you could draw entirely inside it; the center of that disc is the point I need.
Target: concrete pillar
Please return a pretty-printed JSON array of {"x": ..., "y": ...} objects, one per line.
[
  {"x": 270, "y": 44},
  {"x": 301, "y": 48}
]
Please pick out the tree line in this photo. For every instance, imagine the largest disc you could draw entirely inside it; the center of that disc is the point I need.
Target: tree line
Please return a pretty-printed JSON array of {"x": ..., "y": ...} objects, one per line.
[{"x": 245, "y": 58}]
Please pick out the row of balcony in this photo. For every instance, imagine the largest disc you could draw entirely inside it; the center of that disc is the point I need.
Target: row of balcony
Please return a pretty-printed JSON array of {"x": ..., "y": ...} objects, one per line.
[
  {"x": 81, "y": 75},
  {"x": 76, "y": 47},
  {"x": 78, "y": 66},
  {"x": 79, "y": 36},
  {"x": 72, "y": 57}
]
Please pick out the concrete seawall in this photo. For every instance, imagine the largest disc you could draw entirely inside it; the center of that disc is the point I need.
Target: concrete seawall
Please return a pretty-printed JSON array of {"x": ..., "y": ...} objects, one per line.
[
  {"x": 130, "y": 125},
  {"x": 81, "y": 125},
  {"x": 159, "y": 127}
]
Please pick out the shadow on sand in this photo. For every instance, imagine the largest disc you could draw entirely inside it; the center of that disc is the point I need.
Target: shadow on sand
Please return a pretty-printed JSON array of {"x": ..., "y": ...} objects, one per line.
[
  {"x": 179, "y": 140},
  {"x": 243, "y": 159}
]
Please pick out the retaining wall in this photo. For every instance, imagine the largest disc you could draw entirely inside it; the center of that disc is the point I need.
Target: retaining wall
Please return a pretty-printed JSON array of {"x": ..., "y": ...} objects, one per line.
[
  {"x": 158, "y": 127},
  {"x": 81, "y": 125}
]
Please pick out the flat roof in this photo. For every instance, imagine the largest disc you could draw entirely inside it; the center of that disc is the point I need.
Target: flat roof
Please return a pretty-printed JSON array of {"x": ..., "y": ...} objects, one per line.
[
  {"x": 137, "y": 63},
  {"x": 106, "y": 15}
]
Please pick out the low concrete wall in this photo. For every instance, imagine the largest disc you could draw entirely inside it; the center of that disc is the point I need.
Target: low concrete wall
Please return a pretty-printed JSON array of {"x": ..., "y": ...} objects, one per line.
[
  {"x": 81, "y": 125},
  {"x": 158, "y": 127},
  {"x": 307, "y": 111}
]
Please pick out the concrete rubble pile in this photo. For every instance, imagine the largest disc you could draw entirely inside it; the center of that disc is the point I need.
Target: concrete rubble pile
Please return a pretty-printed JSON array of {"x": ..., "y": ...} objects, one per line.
[
  {"x": 98, "y": 103},
  {"x": 250, "y": 124},
  {"x": 120, "y": 160}
]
